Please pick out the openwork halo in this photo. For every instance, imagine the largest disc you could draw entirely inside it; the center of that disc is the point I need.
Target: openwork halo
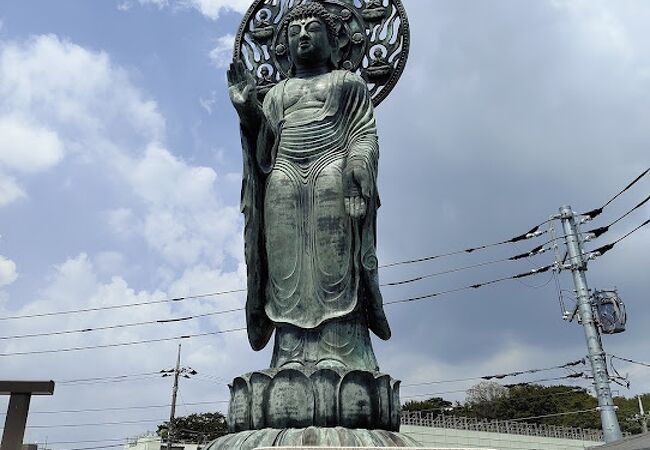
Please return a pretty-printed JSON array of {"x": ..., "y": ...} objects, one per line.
[{"x": 373, "y": 38}]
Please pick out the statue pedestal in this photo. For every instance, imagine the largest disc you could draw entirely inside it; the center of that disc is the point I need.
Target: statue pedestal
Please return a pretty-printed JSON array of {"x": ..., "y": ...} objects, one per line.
[
  {"x": 313, "y": 437},
  {"x": 313, "y": 397}
]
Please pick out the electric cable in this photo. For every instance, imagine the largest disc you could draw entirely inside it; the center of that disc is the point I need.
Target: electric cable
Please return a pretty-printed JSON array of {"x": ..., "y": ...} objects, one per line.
[
  {"x": 606, "y": 248},
  {"x": 508, "y": 399},
  {"x": 127, "y": 305},
  {"x": 95, "y": 448},
  {"x": 597, "y": 232},
  {"x": 124, "y": 408},
  {"x": 584, "y": 411},
  {"x": 500, "y": 376},
  {"x": 97, "y": 424},
  {"x": 121, "y": 344},
  {"x": 125, "y": 325},
  {"x": 472, "y": 287},
  {"x": 536, "y": 251},
  {"x": 94, "y": 441},
  {"x": 108, "y": 378},
  {"x": 507, "y": 386},
  {"x": 395, "y": 302},
  {"x": 546, "y": 380},
  {"x": 533, "y": 233},
  {"x": 631, "y": 361},
  {"x": 533, "y": 252},
  {"x": 598, "y": 211}
]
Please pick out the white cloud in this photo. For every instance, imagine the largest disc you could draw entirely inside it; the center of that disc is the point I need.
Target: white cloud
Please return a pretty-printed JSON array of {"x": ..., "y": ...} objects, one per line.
[
  {"x": 213, "y": 8},
  {"x": 58, "y": 85},
  {"x": 62, "y": 95},
  {"x": 27, "y": 148},
  {"x": 9, "y": 190},
  {"x": 122, "y": 222},
  {"x": 221, "y": 55},
  {"x": 8, "y": 272},
  {"x": 158, "y": 3},
  {"x": 162, "y": 179}
]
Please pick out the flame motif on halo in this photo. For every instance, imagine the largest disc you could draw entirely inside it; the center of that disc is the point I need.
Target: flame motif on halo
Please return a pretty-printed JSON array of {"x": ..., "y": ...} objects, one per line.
[{"x": 374, "y": 40}]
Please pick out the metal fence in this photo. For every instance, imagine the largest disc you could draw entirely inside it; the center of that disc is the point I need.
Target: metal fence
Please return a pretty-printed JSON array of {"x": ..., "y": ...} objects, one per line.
[{"x": 423, "y": 419}]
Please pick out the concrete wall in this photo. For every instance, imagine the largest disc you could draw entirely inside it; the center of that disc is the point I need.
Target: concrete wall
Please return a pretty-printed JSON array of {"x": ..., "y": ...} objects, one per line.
[{"x": 440, "y": 437}]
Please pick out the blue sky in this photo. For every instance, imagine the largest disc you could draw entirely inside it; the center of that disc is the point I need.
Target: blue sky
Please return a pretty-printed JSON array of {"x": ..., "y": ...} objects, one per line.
[{"x": 120, "y": 172}]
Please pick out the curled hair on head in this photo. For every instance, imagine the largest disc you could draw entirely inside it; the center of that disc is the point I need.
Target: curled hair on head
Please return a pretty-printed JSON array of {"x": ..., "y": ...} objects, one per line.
[{"x": 314, "y": 9}]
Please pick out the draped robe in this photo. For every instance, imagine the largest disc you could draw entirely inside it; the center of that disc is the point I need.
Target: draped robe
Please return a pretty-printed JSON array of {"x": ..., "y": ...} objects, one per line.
[{"x": 310, "y": 265}]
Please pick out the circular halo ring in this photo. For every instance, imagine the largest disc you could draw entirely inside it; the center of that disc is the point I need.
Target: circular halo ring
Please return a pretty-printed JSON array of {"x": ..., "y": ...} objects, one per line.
[{"x": 371, "y": 23}]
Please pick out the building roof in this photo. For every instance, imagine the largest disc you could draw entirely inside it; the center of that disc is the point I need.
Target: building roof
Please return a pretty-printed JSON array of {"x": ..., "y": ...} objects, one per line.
[{"x": 638, "y": 442}]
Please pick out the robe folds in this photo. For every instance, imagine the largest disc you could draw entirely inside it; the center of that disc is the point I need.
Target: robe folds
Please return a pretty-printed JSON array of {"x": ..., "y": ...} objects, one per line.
[{"x": 309, "y": 263}]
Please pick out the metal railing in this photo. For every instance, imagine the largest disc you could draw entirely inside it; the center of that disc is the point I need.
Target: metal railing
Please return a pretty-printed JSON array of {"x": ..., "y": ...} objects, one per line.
[{"x": 427, "y": 419}]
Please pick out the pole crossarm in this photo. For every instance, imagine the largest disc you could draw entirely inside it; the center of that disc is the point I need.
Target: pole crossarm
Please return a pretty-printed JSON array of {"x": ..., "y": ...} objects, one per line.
[
  {"x": 20, "y": 394},
  {"x": 27, "y": 387}
]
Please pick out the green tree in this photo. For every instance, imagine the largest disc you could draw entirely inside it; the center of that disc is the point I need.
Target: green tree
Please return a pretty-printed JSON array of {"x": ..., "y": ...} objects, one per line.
[
  {"x": 434, "y": 405},
  {"x": 203, "y": 427}
]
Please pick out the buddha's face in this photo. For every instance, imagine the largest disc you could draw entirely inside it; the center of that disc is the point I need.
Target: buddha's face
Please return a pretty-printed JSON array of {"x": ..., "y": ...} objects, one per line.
[{"x": 309, "y": 43}]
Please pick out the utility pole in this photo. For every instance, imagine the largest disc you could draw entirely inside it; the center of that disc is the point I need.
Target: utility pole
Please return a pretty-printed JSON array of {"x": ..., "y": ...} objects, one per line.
[
  {"x": 174, "y": 393},
  {"x": 177, "y": 372},
  {"x": 578, "y": 267},
  {"x": 642, "y": 417}
]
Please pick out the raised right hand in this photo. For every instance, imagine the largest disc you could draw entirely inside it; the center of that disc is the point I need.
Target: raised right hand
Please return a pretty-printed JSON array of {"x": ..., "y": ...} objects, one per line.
[{"x": 243, "y": 91}]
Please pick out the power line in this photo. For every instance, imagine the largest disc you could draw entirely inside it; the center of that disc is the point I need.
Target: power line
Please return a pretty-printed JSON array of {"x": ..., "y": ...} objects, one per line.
[
  {"x": 509, "y": 399},
  {"x": 87, "y": 442},
  {"x": 584, "y": 411},
  {"x": 606, "y": 248},
  {"x": 96, "y": 448},
  {"x": 127, "y": 305},
  {"x": 125, "y": 325},
  {"x": 395, "y": 302},
  {"x": 121, "y": 408},
  {"x": 597, "y": 232},
  {"x": 533, "y": 233},
  {"x": 507, "y": 386},
  {"x": 117, "y": 380},
  {"x": 97, "y": 424},
  {"x": 189, "y": 336},
  {"x": 546, "y": 380},
  {"x": 534, "y": 252},
  {"x": 501, "y": 376},
  {"x": 121, "y": 344},
  {"x": 631, "y": 361},
  {"x": 472, "y": 287},
  {"x": 124, "y": 408},
  {"x": 598, "y": 211},
  {"x": 116, "y": 377}
]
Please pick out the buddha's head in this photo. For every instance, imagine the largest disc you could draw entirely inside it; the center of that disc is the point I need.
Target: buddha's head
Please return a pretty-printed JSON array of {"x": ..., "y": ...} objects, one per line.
[{"x": 312, "y": 36}]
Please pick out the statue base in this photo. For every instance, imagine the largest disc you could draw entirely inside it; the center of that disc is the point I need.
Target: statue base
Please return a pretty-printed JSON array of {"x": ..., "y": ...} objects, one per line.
[
  {"x": 312, "y": 437},
  {"x": 314, "y": 397}
]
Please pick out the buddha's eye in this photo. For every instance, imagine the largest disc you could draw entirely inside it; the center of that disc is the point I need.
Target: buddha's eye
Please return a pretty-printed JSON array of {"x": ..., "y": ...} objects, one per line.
[
  {"x": 294, "y": 30},
  {"x": 314, "y": 26}
]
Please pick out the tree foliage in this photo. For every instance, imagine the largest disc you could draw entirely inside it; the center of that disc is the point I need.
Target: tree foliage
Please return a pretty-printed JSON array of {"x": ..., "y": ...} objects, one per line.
[
  {"x": 434, "y": 405},
  {"x": 198, "y": 428},
  {"x": 533, "y": 403}
]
